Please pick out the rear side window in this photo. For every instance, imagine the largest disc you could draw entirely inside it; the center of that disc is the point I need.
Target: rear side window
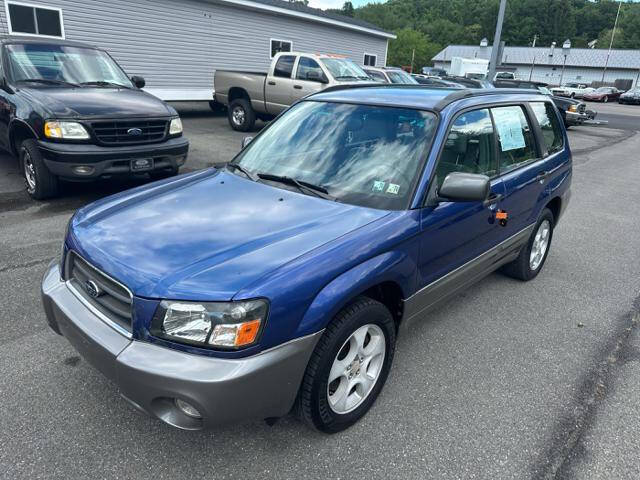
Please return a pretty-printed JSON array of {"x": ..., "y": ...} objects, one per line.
[
  {"x": 469, "y": 146},
  {"x": 516, "y": 144},
  {"x": 284, "y": 66},
  {"x": 550, "y": 126}
]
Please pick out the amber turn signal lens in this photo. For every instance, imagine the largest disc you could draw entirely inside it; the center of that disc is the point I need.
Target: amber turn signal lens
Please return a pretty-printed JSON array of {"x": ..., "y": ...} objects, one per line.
[{"x": 247, "y": 333}]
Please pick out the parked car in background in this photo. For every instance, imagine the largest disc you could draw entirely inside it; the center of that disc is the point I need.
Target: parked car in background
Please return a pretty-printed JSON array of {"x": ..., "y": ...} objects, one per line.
[
  {"x": 573, "y": 90},
  {"x": 390, "y": 75},
  {"x": 434, "y": 72},
  {"x": 504, "y": 76},
  {"x": 632, "y": 96},
  {"x": 435, "y": 81},
  {"x": 603, "y": 94},
  {"x": 469, "y": 82},
  {"x": 291, "y": 76},
  {"x": 70, "y": 112},
  {"x": 280, "y": 282}
]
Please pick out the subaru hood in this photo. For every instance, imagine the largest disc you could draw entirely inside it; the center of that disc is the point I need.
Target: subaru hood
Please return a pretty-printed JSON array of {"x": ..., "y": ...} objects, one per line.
[{"x": 207, "y": 235}]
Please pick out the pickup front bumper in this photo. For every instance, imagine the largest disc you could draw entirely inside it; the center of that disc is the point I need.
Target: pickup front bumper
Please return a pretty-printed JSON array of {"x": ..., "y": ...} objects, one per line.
[
  {"x": 152, "y": 377},
  {"x": 62, "y": 159}
]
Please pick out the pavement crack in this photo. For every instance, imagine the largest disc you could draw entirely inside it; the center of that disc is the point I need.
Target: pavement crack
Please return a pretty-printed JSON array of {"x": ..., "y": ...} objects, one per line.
[
  {"x": 593, "y": 387},
  {"x": 24, "y": 265}
]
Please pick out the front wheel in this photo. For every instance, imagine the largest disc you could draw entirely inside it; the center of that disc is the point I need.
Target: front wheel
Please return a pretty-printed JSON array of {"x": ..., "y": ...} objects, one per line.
[
  {"x": 348, "y": 367},
  {"x": 40, "y": 182},
  {"x": 242, "y": 117},
  {"x": 534, "y": 253},
  {"x": 605, "y": 99}
]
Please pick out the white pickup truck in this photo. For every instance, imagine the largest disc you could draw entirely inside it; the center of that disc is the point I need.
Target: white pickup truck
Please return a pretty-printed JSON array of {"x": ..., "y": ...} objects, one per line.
[
  {"x": 292, "y": 76},
  {"x": 572, "y": 90}
]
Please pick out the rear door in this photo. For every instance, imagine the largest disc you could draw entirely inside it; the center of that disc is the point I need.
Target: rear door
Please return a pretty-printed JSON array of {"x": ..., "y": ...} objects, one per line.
[
  {"x": 277, "y": 90},
  {"x": 309, "y": 78}
]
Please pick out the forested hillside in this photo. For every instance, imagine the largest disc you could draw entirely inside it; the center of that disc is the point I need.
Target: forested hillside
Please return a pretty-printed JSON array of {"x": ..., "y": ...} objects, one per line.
[{"x": 430, "y": 25}]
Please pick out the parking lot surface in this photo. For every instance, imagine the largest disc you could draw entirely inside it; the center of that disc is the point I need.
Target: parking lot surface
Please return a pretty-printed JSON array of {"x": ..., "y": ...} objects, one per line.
[{"x": 507, "y": 380}]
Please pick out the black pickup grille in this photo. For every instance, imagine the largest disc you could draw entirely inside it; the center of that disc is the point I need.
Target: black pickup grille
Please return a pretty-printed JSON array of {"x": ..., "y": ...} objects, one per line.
[
  {"x": 111, "y": 299},
  {"x": 130, "y": 131}
]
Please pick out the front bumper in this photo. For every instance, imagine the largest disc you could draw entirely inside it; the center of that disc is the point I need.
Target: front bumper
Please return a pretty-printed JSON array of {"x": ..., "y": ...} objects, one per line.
[
  {"x": 61, "y": 158},
  {"x": 151, "y": 377},
  {"x": 576, "y": 118}
]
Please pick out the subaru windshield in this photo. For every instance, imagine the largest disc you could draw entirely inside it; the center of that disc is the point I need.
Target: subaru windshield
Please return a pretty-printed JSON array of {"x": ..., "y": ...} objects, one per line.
[
  {"x": 61, "y": 64},
  {"x": 364, "y": 155}
]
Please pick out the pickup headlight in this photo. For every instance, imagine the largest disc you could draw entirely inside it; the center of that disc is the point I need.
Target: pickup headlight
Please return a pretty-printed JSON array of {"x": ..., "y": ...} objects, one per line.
[
  {"x": 573, "y": 108},
  {"x": 175, "y": 127},
  {"x": 65, "y": 130},
  {"x": 222, "y": 325}
]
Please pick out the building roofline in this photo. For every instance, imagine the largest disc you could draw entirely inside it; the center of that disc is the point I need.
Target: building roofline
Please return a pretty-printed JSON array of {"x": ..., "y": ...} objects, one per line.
[{"x": 310, "y": 14}]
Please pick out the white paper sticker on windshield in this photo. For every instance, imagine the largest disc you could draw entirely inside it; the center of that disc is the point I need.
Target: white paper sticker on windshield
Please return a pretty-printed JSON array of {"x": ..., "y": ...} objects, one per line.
[
  {"x": 507, "y": 122},
  {"x": 393, "y": 188},
  {"x": 378, "y": 186}
]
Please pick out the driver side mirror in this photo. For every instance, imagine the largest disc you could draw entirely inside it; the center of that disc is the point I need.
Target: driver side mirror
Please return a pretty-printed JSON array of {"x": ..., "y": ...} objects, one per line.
[
  {"x": 465, "y": 187},
  {"x": 316, "y": 76},
  {"x": 246, "y": 141},
  {"x": 139, "y": 82}
]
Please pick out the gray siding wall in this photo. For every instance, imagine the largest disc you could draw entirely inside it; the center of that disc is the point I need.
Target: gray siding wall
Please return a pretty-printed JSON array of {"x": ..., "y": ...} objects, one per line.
[{"x": 179, "y": 44}]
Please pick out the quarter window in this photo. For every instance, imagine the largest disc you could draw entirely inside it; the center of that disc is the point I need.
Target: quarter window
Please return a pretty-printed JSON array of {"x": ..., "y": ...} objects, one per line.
[
  {"x": 307, "y": 65},
  {"x": 278, "y": 46},
  {"x": 370, "y": 60},
  {"x": 469, "y": 147},
  {"x": 550, "y": 126},
  {"x": 284, "y": 66},
  {"x": 35, "y": 20},
  {"x": 516, "y": 145}
]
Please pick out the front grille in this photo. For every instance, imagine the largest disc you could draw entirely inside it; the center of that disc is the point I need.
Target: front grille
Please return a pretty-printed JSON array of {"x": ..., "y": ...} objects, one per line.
[
  {"x": 113, "y": 300},
  {"x": 130, "y": 131}
]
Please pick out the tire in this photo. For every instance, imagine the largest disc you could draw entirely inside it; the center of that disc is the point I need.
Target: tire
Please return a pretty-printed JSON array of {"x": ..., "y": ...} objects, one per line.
[
  {"x": 605, "y": 99},
  {"x": 315, "y": 405},
  {"x": 573, "y": 95},
  {"x": 241, "y": 115},
  {"x": 40, "y": 182},
  {"x": 523, "y": 268}
]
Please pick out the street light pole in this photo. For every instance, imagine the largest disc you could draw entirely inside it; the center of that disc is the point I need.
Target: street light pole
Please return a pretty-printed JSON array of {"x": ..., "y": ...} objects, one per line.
[
  {"x": 496, "y": 40},
  {"x": 566, "y": 48},
  {"x": 613, "y": 34}
]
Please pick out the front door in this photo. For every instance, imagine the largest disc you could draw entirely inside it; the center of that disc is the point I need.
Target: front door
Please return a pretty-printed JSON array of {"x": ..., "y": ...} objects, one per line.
[
  {"x": 309, "y": 79},
  {"x": 277, "y": 90}
]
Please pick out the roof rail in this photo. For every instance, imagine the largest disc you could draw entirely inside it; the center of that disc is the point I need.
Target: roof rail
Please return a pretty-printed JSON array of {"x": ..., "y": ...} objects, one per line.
[
  {"x": 480, "y": 92},
  {"x": 348, "y": 86}
]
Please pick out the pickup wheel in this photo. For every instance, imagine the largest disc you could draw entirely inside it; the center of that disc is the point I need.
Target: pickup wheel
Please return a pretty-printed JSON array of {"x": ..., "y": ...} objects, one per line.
[
  {"x": 40, "y": 182},
  {"x": 348, "y": 367},
  {"x": 534, "y": 253},
  {"x": 241, "y": 115}
]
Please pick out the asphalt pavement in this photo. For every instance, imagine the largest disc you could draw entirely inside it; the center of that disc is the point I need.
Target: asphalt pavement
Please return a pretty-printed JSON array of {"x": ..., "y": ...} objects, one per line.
[{"x": 507, "y": 380}]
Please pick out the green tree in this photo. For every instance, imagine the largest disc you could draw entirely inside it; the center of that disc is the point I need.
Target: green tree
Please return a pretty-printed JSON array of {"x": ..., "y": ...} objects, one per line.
[
  {"x": 411, "y": 44},
  {"x": 347, "y": 9}
]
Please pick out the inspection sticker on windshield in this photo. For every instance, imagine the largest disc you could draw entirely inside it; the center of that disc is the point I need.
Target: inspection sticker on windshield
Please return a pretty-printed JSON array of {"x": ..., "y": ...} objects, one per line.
[
  {"x": 378, "y": 186},
  {"x": 507, "y": 120},
  {"x": 393, "y": 188}
]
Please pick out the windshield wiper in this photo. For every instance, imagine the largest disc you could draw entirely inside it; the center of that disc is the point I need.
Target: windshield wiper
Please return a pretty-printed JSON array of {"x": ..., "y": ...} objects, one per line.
[
  {"x": 48, "y": 81},
  {"x": 317, "y": 190},
  {"x": 104, "y": 83},
  {"x": 240, "y": 168}
]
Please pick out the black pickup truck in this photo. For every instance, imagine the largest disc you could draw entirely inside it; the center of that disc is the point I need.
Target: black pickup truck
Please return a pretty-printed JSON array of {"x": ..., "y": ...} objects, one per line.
[{"x": 69, "y": 111}]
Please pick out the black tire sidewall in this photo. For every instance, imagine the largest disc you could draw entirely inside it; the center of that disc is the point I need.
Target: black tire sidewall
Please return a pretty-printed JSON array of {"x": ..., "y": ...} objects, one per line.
[
  {"x": 545, "y": 215},
  {"x": 46, "y": 182},
  {"x": 323, "y": 417}
]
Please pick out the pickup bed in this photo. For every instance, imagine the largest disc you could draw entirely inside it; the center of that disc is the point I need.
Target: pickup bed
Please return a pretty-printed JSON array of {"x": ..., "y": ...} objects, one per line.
[{"x": 291, "y": 76}]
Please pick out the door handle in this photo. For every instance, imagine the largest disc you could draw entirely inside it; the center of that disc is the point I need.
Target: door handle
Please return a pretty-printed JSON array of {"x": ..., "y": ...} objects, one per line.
[
  {"x": 297, "y": 87},
  {"x": 492, "y": 199},
  {"x": 541, "y": 176},
  {"x": 272, "y": 83}
]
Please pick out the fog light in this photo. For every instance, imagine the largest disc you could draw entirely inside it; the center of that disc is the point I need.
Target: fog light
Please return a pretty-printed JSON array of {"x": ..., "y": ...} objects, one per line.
[
  {"x": 181, "y": 160},
  {"x": 83, "y": 170},
  {"x": 188, "y": 409}
]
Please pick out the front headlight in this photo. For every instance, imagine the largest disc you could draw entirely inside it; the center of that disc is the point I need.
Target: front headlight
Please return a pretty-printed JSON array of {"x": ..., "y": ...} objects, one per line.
[
  {"x": 175, "y": 127},
  {"x": 573, "y": 108},
  {"x": 65, "y": 130},
  {"x": 222, "y": 325}
]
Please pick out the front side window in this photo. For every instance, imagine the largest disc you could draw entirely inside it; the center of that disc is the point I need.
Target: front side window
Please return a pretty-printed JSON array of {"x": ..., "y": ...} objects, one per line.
[
  {"x": 370, "y": 60},
  {"x": 516, "y": 144},
  {"x": 469, "y": 147},
  {"x": 284, "y": 66},
  {"x": 278, "y": 46},
  {"x": 308, "y": 69},
  {"x": 361, "y": 154},
  {"x": 35, "y": 20},
  {"x": 60, "y": 63},
  {"x": 550, "y": 126}
]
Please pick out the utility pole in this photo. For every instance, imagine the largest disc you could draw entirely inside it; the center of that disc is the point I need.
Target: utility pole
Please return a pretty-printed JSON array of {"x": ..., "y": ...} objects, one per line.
[
  {"x": 496, "y": 41},
  {"x": 535, "y": 38},
  {"x": 613, "y": 34},
  {"x": 413, "y": 56}
]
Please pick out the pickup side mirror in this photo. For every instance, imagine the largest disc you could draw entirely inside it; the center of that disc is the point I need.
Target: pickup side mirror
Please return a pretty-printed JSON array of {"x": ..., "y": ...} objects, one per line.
[
  {"x": 139, "y": 82},
  {"x": 4, "y": 85},
  {"x": 316, "y": 76},
  {"x": 465, "y": 187},
  {"x": 246, "y": 141}
]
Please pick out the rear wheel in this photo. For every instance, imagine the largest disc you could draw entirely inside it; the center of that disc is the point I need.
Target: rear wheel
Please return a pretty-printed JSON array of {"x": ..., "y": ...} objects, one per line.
[
  {"x": 40, "y": 182},
  {"x": 534, "y": 254},
  {"x": 348, "y": 367},
  {"x": 242, "y": 117}
]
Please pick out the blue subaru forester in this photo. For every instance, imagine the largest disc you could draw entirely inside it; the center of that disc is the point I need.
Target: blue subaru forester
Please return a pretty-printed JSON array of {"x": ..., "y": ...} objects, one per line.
[{"x": 280, "y": 281}]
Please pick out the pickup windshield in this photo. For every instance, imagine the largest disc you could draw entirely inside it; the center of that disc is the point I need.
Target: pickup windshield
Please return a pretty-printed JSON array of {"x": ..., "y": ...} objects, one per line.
[
  {"x": 358, "y": 154},
  {"x": 344, "y": 69},
  {"x": 64, "y": 65},
  {"x": 400, "y": 76}
]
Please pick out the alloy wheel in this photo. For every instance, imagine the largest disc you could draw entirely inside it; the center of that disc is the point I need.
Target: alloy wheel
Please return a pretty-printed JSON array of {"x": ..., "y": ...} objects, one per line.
[
  {"x": 238, "y": 115},
  {"x": 540, "y": 245},
  {"x": 29, "y": 172}
]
